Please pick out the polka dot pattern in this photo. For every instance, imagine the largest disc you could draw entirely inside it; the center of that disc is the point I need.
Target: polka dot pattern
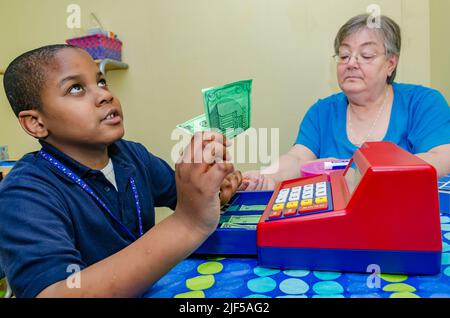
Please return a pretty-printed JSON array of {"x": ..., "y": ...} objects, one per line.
[
  {"x": 218, "y": 277},
  {"x": 293, "y": 286},
  {"x": 447, "y": 271},
  {"x": 445, "y": 219},
  {"x": 296, "y": 273},
  {"x": 209, "y": 268},
  {"x": 393, "y": 278},
  {"x": 327, "y": 275},
  {"x": 445, "y": 258},
  {"x": 400, "y": 288},
  {"x": 200, "y": 282},
  {"x": 261, "y": 284},
  {"x": 404, "y": 295},
  {"x": 328, "y": 288},
  {"x": 261, "y": 271}
]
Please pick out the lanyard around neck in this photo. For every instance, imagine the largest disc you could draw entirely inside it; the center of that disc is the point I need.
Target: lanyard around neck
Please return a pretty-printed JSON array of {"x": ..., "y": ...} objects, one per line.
[{"x": 58, "y": 165}]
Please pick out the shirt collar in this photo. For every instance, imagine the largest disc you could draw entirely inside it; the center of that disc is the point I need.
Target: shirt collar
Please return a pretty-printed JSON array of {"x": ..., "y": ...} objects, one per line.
[{"x": 78, "y": 168}]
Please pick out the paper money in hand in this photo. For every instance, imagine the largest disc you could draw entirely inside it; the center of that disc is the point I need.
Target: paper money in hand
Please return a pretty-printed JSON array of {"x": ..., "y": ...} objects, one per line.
[
  {"x": 227, "y": 108},
  {"x": 194, "y": 125}
]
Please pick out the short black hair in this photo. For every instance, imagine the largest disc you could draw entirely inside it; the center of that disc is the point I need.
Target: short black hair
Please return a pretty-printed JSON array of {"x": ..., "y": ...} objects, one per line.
[{"x": 25, "y": 76}]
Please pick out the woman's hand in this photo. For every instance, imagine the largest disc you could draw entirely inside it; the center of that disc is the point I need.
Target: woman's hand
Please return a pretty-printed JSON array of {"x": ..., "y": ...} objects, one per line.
[{"x": 255, "y": 181}]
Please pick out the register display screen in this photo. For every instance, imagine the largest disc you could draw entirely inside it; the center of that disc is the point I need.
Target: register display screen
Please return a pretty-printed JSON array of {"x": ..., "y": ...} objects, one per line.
[{"x": 352, "y": 176}]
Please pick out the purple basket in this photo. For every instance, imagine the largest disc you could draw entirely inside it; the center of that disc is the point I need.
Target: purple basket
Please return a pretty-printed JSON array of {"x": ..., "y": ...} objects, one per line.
[{"x": 99, "y": 46}]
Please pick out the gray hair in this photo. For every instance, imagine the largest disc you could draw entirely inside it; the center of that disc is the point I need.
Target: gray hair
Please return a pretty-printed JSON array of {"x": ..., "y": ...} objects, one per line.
[{"x": 388, "y": 30}]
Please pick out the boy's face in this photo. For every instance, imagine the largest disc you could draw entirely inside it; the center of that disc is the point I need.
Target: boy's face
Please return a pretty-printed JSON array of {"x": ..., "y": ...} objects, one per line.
[{"x": 78, "y": 109}]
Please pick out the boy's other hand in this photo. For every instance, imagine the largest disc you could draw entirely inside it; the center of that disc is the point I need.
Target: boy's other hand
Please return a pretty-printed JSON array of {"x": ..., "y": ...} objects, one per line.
[
  {"x": 229, "y": 186},
  {"x": 199, "y": 175}
]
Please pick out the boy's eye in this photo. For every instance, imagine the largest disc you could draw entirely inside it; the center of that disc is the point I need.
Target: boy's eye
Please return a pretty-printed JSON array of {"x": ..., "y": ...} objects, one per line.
[
  {"x": 75, "y": 89},
  {"x": 102, "y": 83}
]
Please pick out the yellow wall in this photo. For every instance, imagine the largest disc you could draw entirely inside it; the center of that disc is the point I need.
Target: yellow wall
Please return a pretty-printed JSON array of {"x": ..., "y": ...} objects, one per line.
[
  {"x": 440, "y": 46},
  {"x": 177, "y": 47}
]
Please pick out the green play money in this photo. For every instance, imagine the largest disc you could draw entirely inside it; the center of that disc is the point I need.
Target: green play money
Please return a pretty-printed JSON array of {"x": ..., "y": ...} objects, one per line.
[
  {"x": 196, "y": 124},
  {"x": 227, "y": 108},
  {"x": 238, "y": 226},
  {"x": 244, "y": 219}
]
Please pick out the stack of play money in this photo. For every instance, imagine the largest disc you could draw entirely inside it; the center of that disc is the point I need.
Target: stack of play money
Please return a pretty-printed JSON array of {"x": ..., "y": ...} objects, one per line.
[
  {"x": 238, "y": 226},
  {"x": 227, "y": 110}
]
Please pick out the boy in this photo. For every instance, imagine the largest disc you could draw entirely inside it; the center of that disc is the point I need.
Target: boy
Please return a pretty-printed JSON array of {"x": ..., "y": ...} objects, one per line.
[{"x": 84, "y": 204}]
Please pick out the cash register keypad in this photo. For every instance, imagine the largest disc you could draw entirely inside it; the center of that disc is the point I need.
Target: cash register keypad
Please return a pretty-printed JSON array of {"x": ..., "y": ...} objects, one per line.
[{"x": 301, "y": 200}]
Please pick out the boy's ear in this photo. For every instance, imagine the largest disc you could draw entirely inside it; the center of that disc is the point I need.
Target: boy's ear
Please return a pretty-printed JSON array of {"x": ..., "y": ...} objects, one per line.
[{"x": 31, "y": 122}]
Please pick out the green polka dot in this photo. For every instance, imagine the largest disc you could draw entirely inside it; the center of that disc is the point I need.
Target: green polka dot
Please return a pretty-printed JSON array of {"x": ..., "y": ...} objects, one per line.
[
  {"x": 445, "y": 247},
  {"x": 215, "y": 258},
  {"x": 404, "y": 295},
  {"x": 447, "y": 236},
  {"x": 209, "y": 268},
  {"x": 257, "y": 296},
  {"x": 445, "y": 219},
  {"x": 293, "y": 286},
  {"x": 329, "y": 296},
  {"x": 393, "y": 278},
  {"x": 447, "y": 271},
  {"x": 327, "y": 275},
  {"x": 200, "y": 282},
  {"x": 262, "y": 271},
  {"x": 296, "y": 273},
  {"x": 445, "y": 227},
  {"x": 328, "y": 288},
  {"x": 445, "y": 258},
  {"x": 399, "y": 288},
  {"x": 261, "y": 284},
  {"x": 191, "y": 294}
]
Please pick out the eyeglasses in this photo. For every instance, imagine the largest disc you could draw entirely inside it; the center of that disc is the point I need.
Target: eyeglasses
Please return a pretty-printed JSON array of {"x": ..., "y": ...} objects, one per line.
[{"x": 361, "y": 58}]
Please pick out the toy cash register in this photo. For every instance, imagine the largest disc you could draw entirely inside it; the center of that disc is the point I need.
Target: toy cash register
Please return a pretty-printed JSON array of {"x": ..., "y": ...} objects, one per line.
[{"x": 382, "y": 209}]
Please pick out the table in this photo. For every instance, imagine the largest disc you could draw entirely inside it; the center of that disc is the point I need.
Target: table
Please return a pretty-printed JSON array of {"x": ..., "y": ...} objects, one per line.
[{"x": 243, "y": 278}]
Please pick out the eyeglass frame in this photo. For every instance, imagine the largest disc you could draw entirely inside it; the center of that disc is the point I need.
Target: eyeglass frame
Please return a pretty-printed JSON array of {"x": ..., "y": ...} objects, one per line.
[{"x": 356, "y": 56}]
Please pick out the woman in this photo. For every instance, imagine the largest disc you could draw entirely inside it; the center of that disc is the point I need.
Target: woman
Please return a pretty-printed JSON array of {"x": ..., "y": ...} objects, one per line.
[{"x": 371, "y": 107}]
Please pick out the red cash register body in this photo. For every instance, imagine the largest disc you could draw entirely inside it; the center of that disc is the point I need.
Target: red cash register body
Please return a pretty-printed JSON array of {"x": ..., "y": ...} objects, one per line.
[{"x": 390, "y": 219}]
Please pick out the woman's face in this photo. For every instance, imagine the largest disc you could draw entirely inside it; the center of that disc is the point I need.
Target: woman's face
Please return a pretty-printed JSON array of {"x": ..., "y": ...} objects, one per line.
[{"x": 368, "y": 68}]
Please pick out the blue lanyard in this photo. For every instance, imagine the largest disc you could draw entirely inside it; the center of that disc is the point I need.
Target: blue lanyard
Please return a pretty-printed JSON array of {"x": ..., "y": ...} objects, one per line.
[{"x": 88, "y": 189}]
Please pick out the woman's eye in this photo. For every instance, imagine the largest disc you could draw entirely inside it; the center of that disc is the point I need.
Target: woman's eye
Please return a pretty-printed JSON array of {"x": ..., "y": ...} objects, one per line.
[
  {"x": 75, "y": 89},
  {"x": 102, "y": 83},
  {"x": 368, "y": 55}
]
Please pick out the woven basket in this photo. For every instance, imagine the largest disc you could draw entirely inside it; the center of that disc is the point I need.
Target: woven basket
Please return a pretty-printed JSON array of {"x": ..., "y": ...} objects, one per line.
[{"x": 99, "y": 46}]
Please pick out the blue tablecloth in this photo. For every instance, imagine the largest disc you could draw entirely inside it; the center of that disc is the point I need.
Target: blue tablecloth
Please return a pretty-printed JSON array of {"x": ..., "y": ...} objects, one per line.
[{"x": 242, "y": 277}]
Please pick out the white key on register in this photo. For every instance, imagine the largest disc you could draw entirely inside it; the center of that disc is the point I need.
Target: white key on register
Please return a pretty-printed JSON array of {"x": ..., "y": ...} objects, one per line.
[
  {"x": 282, "y": 196},
  {"x": 295, "y": 194}
]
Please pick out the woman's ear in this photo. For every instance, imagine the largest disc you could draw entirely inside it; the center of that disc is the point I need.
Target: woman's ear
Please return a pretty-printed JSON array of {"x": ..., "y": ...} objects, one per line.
[
  {"x": 392, "y": 64},
  {"x": 31, "y": 121}
]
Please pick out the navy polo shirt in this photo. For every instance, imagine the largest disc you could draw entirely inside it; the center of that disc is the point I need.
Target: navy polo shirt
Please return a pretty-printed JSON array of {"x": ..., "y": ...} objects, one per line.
[{"x": 49, "y": 226}]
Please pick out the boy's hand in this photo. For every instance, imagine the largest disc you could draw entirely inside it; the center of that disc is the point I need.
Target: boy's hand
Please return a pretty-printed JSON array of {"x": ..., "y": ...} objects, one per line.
[
  {"x": 199, "y": 174},
  {"x": 229, "y": 186}
]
